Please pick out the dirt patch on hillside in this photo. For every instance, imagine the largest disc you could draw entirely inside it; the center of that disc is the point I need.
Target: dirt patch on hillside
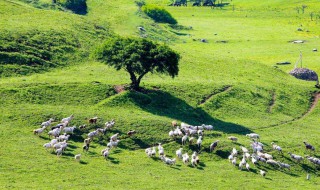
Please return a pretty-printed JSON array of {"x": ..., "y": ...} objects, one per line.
[{"x": 119, "y": 88}]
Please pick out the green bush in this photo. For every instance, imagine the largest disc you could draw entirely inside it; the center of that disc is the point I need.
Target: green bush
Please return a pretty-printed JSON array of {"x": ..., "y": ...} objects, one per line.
[
  {"x": 158, "y": 14},
  {"x": 77, "y": 6}
]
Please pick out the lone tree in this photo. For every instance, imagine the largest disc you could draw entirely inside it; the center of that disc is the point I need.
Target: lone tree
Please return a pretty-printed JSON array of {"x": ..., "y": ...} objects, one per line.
[{"x": 138, "y": 57}]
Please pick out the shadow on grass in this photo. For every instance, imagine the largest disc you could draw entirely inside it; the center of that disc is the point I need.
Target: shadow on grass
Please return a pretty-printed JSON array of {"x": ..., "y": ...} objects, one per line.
[
  {"x": 83, "y": 162},
  {"x": 223, "y": 153},
  {"x": 113, "y": 160},
  {"x": 45, "y": 138},
  {"x": 164, "y": 104}
]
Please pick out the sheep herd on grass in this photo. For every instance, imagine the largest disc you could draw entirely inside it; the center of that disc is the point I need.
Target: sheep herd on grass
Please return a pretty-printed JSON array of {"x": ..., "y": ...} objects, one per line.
[
  {"x": 61, "y": 134},
  {"x": 257, "y": 156},
  {"x": 189, "y": 135}
]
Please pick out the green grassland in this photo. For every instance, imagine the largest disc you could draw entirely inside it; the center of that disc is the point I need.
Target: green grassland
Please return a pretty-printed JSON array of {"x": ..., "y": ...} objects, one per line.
[{"x": 231, "y": 82}]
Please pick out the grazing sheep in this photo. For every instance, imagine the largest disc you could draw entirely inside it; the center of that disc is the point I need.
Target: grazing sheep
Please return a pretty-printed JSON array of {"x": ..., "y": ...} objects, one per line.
[
  {"x": 106, "y": 153},
  {"x": 207, "y": 127},
  {"x": 200, "y": 132},
  {"x": 69, "y": 129},
  {"x": 230, "y": 157},
  {"x": 248, "y": 166},
  {"x": 77, "y": 157},
  {"x": 263, "y": 173},
  {"x": 54, "y": 141},
  {"x": 284, "y": 165},
  {"x": 234, "y": 161},
  {"x": 171, "y": 134},
  {"x": 257, "y": 146},
  {"x": 59, "y": 151},
  {"x": 152, "y": 152},
  {"x": 161, "y": 152},
  {"x": 254, "y": 159},
  {"x": 276, "y": 147},
  {"x": 233, "y": 138},
  {"x": 55, "y": 132},
  {"x": 179, "y": 153},
  {"x": 184, "y": 139},
  {"x": 185, "y": 158},
  {"x": 253, "y": 136},
  {"x": 246, "y": 155},
  {"x": 147, "y": 150},
  {"x": 199, "y": 141},
  {"x": 47, "y": 123},
  {"x": 169, "y": 161},
  {"x": 39, "y": 130},
  {"x": 296, "y": 157},
  {"x": 272, "y": 162},
  {"x": 183, "y": 125},
  {"x": 244, "y": 149},
  {"x": 213, "y": 145},
  {"x": 47, "y": 145},
  {"x": 267, "y": 156},
  {"x": 114, "y": 137},
  {"x": 241, "y": 164},
  {"x": 234, "y": 152},
  {"x": 259, "y": 158},
  {"x": 93, "y": 134},
  {"x": 160, "y": 146},
  {"x": 309, "y": 146},
  {"x": 63, "y": 137},
  {"x": 174, "y": 123},
  {"x": 109, "y": 124},
  {"x": 93, "y": 120},
  {"x": 67, "y": 119}
]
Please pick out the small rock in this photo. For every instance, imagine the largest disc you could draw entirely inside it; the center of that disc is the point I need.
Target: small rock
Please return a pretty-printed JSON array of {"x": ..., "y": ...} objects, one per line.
[
  {"x": 299, "y": 29},
  {"x": 298, "y": 41},
  {"x": 204, "y": 40}
]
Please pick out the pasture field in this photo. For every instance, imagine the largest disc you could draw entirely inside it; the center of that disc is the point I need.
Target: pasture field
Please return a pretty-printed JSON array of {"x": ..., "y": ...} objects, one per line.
[{"x": 231, "y": 82}]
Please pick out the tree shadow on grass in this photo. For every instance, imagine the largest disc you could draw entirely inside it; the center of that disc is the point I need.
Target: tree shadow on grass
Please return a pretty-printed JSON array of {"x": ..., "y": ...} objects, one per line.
[{"x": 164, "y": 104}]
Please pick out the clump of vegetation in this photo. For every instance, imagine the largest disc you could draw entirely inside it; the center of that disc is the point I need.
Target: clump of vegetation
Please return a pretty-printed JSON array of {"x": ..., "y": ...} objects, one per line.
[
  {"x": 159, "y": 14},
  {"x": 77, "y": 6},
  {"x": 26, "y": 52}
]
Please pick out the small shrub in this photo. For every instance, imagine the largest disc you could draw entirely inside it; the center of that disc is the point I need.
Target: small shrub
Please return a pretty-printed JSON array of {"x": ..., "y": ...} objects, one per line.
[{"x": 158, "y": 14}]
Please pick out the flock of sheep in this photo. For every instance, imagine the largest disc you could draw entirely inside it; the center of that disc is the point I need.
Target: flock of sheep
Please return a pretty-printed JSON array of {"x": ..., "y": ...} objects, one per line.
[
  {"x": 61, "y": 133},
  {"x": 189, "y": 135}
]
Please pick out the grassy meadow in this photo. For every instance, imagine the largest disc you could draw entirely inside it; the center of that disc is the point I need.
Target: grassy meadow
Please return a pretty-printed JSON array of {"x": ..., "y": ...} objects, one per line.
[{"x": 231, "y": 82}]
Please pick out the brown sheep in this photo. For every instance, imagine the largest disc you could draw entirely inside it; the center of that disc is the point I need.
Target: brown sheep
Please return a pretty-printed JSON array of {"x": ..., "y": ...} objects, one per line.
[{"x": 93, "y": 120}]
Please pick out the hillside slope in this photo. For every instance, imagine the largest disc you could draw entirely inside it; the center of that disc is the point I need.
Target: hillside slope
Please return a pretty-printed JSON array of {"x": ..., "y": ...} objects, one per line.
[{"x": 230, "y": 82}]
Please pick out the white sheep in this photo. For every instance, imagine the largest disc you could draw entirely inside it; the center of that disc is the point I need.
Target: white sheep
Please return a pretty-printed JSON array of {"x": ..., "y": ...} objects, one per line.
[
  {"x": 63, "y": 137},
  {"x": 241, "y": 164},
  {"x": 268, "y": 156},
  {"x": 296, "y": 157},
  {"x": 171, "y": 135},
  {"x": 191, "y": 139},
  {"x": 185, "y": 158},
  {"x": 47, "y": 145},
  {"x": 39, "y": 130},
  {"x": 230, "y": 157},
  {"x": 253, "y": 136},
  {"x": 114, "y": 137},
  {"x": 248, "y": 166},
  {"x": 200, "y": 132},
  {"x": 207, "y": 127},
  {"x": 147, "y": 150},
  {"x": 106, "y": 153},
  {"x": 272, "y": 162},
  {"x": 67, "y": 119},
  {"x": 244, "y": 149},
  {"x": 234, "y": 161},
  {"x": 254, "y": 159},
  {"x": 234, "y": 152},
  {"x": 77, "y": 157},
  {"x": 199, "y": 141},
  {"x": 184, "y": 139},
  {"x": 276, "y": 147},
  {"x": 284, "y": 165},
  {"x": 152, "y": 152},
  {"x": 69, "y": 129},
  {"x": 47, "y": 123},
  {"x": 109, "y": 124},
  {"x": 263, "y": 173},
  {"x": 59, "y": 151},
  {"x": 54, "y": 141},
  {"x": 179, "y": 153}
]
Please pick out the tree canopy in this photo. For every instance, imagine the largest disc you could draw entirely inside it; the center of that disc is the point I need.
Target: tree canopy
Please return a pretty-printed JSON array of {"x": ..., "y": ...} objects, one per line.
[{"x": 138, "y": 57}]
